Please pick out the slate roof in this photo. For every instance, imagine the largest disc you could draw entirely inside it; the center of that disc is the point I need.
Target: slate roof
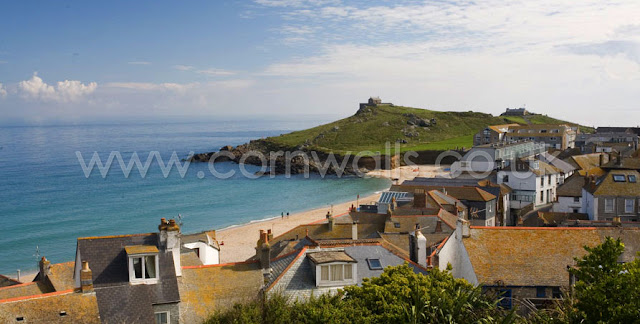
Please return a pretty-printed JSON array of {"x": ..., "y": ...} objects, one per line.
[
  {"x": 47, "y": 308},
  {"x": 461, "y": 193},
  {"x": 298, "y": 281},
  {"x": 548, "y": 218},
  {"x": 625, "y": 163},
  {"x": 556, "y": 162},
  {"x": 109, "y": 264},
  {"x": 572, "y": 186},
  {"x": 606, "y": 186},
  {"x": 524, "y": 256}
]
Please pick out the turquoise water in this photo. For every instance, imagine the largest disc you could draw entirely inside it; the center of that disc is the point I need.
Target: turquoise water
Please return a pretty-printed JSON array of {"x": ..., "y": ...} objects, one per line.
[{"x": 46, "y": 201}]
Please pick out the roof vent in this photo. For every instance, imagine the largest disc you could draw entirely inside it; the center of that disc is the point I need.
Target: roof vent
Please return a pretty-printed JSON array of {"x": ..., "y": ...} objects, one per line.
[
  {"x": 63, "y": 313},
  {"x": 19, "y": 318}
]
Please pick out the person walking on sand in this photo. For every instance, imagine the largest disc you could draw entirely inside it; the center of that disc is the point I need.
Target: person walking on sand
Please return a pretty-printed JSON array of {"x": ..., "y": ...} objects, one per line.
[
  {"x": 282, "y": 215},
  {"x": 287, "y": 214}
]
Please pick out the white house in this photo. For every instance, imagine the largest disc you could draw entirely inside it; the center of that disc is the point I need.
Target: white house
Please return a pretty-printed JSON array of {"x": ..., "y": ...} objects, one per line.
[
  {"x": 532, "y": 181},
  {"x": 489, "y": 157}
]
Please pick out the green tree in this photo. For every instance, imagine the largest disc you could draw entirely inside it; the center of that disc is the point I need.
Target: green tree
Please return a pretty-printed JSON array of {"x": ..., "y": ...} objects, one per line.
[{"x": 606, "y": 291}]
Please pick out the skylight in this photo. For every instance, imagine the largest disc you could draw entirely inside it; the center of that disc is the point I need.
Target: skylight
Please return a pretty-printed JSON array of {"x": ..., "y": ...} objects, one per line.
[
  {"x": 619, "y": 178},
  {"x": 632, "y": 178},
  {"x": 374, "y": 264}
]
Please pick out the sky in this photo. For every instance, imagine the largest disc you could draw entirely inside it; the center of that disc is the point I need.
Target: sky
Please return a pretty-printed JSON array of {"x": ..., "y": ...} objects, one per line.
[{"x": 70, "y": 62}]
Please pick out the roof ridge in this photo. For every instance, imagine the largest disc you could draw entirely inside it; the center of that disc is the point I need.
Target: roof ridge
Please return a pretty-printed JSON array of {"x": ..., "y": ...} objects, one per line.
[
  {"x": 286, "y": 269},
  {"x": 55, "y": 293},
  {"x": 21, "y": 284},
  {"x": 546, "y": 228},
  {"x": 114, "y": 236}
]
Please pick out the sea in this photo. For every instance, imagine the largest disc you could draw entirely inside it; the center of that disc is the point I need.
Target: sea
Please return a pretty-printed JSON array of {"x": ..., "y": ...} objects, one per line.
[{"x": 49, "y": 196}]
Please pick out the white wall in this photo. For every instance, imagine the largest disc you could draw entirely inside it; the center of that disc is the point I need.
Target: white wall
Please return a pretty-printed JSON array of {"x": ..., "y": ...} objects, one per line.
[
  {"x": 567, "y": 205},
  {"x": 453, "y": 252},
  {"x": 208, "y": 255},
  {"x": 589, "y": 205}
]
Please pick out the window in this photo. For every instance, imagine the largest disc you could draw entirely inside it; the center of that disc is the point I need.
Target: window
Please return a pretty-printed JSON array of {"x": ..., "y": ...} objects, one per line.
[
  {"x": 162, "y": 318},
  {"x": 334, "y": 273},
  {"x": 576, "y": 199},
  {"x": 396, "y": 225},
  {"x": 608, "y": 205},
  {"x": 541, "y": 196},
  {"x": 541, "y": 292},
  {"x": 556, "y": 293},
  {"x": 374, "y": 264},
  {"x": 143, "y": 268},
  {"x": 629, "y": 205},
  {"x": 575, "y": 210},
  {"x": 505, "y": 298},
  {"x": 505, "y": 178},
  {"x": 541, "y": 181},
  {"x": 632, "y": 178},
  {"x": 549, "y": 181},
  {"x": 348, "y": 271},
  {"x": 490, "y": 208},
  {"x": 619, "y": 178},
  {"x": 324, "y": 273}
]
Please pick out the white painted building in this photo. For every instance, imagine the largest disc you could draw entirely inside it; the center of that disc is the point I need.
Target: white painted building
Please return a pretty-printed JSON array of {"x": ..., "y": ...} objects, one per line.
[{"x": 533, "y": 182}]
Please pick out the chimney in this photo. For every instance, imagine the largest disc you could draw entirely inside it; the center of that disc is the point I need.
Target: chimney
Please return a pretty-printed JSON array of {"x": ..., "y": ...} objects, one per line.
[
  {"x": 617, "y": 221},
  {"x": 463, "y": 229},
  {"x": 86, "y": 278},
  {"x": 330, "y": 223},
  {"x": 169, "y": 241},
  {"x": 265, "y": 253},
  {"x": 45, "y": 268},
  {"x": 419, "y": 198},
  {"x": 438, "y": 226},
  {"x": 394, "y": 203},
  {"x": 354, "y": 230},
  {"x": 602, "y": 159},
  {"x": 269, "y": 235},
  {"x": 419, "y": 247}
]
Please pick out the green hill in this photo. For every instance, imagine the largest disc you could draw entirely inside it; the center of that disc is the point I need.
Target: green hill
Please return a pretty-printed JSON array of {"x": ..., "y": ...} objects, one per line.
[{"x": 372, "y": 126}]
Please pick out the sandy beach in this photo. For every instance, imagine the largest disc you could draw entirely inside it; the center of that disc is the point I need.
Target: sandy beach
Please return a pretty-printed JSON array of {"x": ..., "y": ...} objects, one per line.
[
  {"x": 409, "y": 172},
  {"x": 239, "y": 242}
]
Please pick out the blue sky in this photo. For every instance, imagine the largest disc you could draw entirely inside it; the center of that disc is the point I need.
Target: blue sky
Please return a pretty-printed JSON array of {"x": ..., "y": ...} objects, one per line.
[{"x": 87, "y": 61}]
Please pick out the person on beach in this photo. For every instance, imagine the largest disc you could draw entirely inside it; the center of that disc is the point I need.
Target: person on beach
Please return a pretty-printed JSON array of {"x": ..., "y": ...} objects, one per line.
[
  {"x": 282, "y": 215},
  {"x": 287, "y": 214}
]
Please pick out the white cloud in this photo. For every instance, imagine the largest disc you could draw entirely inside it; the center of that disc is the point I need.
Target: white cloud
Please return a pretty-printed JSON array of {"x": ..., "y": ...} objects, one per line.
[
  {"x": 139, "y": 63},
  {"x": 183, "y": 67},
  {"x": 215, "y": 72},
  {"x": 3, "y": 91},
  {"x": 64, "y": 91}
]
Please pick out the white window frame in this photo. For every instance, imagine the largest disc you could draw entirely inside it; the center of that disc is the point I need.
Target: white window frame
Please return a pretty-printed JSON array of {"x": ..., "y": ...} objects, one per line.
[
  {"x": 633, "y": 206},
  {"x": 612, "y": 207},
  {"x": 132, "y": 275},
  {"x": 345, "y": 280},
  {"x": 163, "y": 312}
]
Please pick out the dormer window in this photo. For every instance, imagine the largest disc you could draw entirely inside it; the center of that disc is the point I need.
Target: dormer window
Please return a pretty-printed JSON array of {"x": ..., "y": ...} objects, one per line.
[
  {"x": 143, "y": 263},
  {"x": 333, "y": 268}
]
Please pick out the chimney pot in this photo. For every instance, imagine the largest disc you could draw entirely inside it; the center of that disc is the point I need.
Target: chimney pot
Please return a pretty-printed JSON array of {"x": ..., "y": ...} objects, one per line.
[{"x": 86, "y": 278}]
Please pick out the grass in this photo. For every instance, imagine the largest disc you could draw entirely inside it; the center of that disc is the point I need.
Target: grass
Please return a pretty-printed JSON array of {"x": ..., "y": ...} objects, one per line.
[{"x": 369, "y": 130}]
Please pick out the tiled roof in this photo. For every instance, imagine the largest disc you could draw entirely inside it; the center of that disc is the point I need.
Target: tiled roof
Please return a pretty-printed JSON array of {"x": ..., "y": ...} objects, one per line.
[
  {"x": 625, "y": 163},
  {"x": 207, "y": 289},
  {"x": 572, "y": 186},
  {"x": 548, "y": 218},
  {"x": 6, "y": 281},
  {"x": 544, "y": 168},
  {"x": 606, "y": 186},
  {"x": 25, "y": 289},
  {"x": 461, "y": 193},
  {"x": 329, "y": 256},
  {"x": 526, "y": 256},
  {"x": 57, "y": 307},
  {"x": 586, "y": 161}
]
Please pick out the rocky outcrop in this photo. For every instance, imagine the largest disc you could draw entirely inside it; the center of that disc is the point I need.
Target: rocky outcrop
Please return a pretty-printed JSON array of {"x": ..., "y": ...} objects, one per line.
[{"x": 286, "y": 160}]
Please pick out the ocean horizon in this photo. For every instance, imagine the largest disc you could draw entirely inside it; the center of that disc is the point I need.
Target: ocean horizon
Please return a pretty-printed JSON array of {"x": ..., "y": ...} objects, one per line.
[{"x": 47, "y": 202}]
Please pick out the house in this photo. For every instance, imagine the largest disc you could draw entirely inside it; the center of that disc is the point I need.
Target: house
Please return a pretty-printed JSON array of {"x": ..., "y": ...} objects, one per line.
[
  {"x": 554, "y": 219},
  {"x": 526, "y": 266},
  {"x": 502, "y": 191},
  {"x": 533, "y": 185},
  {"x": 50, "y": 298},
  {"x": 203, "y": 246},
  {"x": 491, "y": 134},
  {"x": 588, "y": 164},
  {"x": 554, "y": 136},
  {"x": 614, "y": 195},
  {"x": 489, "y": 157},
  {"x": 481, "y": 205},
  {"x": 569, "y": 195},
  {"x": 628, "y": 130},
  {"x": 622, "y": 142},
  {"x": 566, "y": 169}
]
